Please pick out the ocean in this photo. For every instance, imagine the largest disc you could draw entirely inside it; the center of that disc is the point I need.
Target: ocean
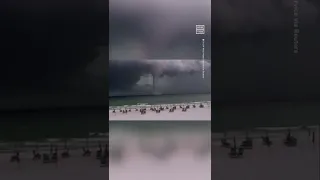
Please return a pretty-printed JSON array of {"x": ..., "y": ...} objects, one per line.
[
  {"x": 78, "y": 122},
  {"x": 158, "y": 99},
  {"x": 164, "y": 100}
]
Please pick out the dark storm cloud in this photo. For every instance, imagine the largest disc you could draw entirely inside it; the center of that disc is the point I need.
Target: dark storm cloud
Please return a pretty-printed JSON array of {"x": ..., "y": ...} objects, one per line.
[
  {"x": 124, "y": 74},
  {"x": 253, "y": 56},
  {"x": 250, "y": 16},
  {"x": 156, "y": 29},
  {"x": 46, "y": 42},
  {"x": 46, "y": 47},
  {"x": 151, "y": 29}
]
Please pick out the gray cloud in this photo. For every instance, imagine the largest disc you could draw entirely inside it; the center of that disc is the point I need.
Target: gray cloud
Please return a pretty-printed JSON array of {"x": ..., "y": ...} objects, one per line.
[
  {"x": 124, "y": 74},
  {"x": 249, "y": 15},
  {"x": 158, "y": 29},
  {"x": 161, "y": 36}
]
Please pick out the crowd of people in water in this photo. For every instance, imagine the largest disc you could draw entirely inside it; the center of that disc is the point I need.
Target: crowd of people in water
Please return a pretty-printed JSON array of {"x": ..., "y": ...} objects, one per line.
[
  {"x": 159, "y": 108},
  {"x": 102, "y": 154},
  {"x": 247, "y": 144}
]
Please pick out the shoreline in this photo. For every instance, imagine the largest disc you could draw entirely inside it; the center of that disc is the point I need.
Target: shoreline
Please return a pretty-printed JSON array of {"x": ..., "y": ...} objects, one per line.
[{"x": 193, "y": 113}]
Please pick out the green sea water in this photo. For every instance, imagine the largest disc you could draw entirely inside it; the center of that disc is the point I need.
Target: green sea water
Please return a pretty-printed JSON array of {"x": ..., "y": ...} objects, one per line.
[{"x": 158, "y": 99}]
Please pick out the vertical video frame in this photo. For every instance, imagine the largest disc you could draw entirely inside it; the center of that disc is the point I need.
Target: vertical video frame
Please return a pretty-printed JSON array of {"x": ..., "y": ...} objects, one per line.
[{"x": 160, "y": 60}]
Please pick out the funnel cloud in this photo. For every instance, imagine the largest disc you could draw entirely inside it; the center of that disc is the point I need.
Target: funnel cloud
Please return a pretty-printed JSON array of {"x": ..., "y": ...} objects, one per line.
[{"x": 125, "y": 74}]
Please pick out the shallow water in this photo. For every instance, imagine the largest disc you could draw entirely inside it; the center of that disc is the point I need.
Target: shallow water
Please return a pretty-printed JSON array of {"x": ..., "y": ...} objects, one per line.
[{"x": 159, "y": 99}]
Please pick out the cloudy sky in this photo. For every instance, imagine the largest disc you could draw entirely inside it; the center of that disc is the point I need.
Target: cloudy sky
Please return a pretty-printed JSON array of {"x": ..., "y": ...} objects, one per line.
[
  {"x": 158, "y": 37},
  {"x": 252, "y": 55},
  {"x": 50, "y": 53},
  {"x": 62, "y": 49}
]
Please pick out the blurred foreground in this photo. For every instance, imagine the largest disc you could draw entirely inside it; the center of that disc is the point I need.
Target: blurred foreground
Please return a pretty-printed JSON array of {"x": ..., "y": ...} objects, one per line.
[
  {"x": 276, "y": 162},
  {"x": 160, "y": 150}
]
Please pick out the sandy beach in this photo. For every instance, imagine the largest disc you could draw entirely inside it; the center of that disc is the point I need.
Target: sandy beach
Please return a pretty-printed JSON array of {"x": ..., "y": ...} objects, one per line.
[
  {"x": 161, "y": 155},
  {"x": 191, "y": 114},
  {"x": 75, "y": 167},
  {"x": 277, "y": 162}
]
